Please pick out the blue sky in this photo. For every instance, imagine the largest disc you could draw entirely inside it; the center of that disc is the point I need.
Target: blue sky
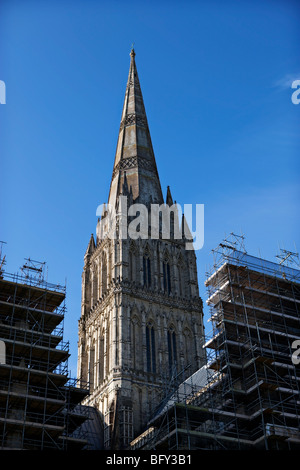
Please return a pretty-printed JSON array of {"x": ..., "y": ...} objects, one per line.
[{"x": 216, "y": 79}]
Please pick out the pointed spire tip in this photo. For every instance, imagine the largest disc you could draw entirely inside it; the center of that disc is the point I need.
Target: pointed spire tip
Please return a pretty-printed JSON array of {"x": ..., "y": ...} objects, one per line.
[{"x": 132, "y": 52}]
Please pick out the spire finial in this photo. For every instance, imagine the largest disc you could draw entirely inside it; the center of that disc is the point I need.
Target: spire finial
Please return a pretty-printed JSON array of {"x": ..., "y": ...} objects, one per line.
[{"x": 132, "y": 53}]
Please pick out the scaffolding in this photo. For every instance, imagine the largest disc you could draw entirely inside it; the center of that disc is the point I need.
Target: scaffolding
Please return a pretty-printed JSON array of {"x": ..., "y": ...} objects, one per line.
[
  {"x": 249, "y": 393},
  {"x": 39, "y": 403}
]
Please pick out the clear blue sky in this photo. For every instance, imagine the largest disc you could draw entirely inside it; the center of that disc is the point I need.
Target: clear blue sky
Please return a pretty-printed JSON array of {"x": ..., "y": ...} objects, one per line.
[{"x": 216, "y": 78}]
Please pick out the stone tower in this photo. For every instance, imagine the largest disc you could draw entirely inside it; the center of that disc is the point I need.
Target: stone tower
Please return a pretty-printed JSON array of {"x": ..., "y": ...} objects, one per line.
[{"x": 141, "y": 317}]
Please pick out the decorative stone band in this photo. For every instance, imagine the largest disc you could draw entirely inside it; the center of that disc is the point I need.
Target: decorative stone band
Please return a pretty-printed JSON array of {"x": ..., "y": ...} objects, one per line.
[
  {"x": 133, "y": 118},
  {"x": 135, "y": 83},
  {"x": 132, "y": 162}
]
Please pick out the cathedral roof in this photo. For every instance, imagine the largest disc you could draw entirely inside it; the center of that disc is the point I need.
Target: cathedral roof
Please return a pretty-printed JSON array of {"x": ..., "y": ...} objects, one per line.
[{"x": 134, "y": 154}]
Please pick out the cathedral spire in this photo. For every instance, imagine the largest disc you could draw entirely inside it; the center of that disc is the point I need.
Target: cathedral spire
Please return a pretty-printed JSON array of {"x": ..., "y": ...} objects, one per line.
[
  {"x": 169, "y": 199},
  {"x": 141, "y": 315},
  {"x": 91, "y": 247},
  {"x": 134, "y": 153}
]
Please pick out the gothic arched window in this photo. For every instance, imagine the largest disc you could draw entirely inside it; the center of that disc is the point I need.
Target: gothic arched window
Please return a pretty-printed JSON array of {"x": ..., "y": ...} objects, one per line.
[
  {"x": 132, "y": 262},
  {"x": 109, "y": 267},
  {"x": 104, "y": 274},
  {"x": 136, "y": 342},
  {"x": 101, "y": 357},
  {"x": 147, "y": 268},
  {"x": 181, "y": 281},
  {"x": 95, "y": 283},
  {"x": 187, "y": 346},
  {"x": 150, "y": 345},
  {"x": 91, "y": 368},
  {"x": 166, "y": 275},
  {"x": 107, "y": 358},
  {"x": 172, "y": 349}
]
